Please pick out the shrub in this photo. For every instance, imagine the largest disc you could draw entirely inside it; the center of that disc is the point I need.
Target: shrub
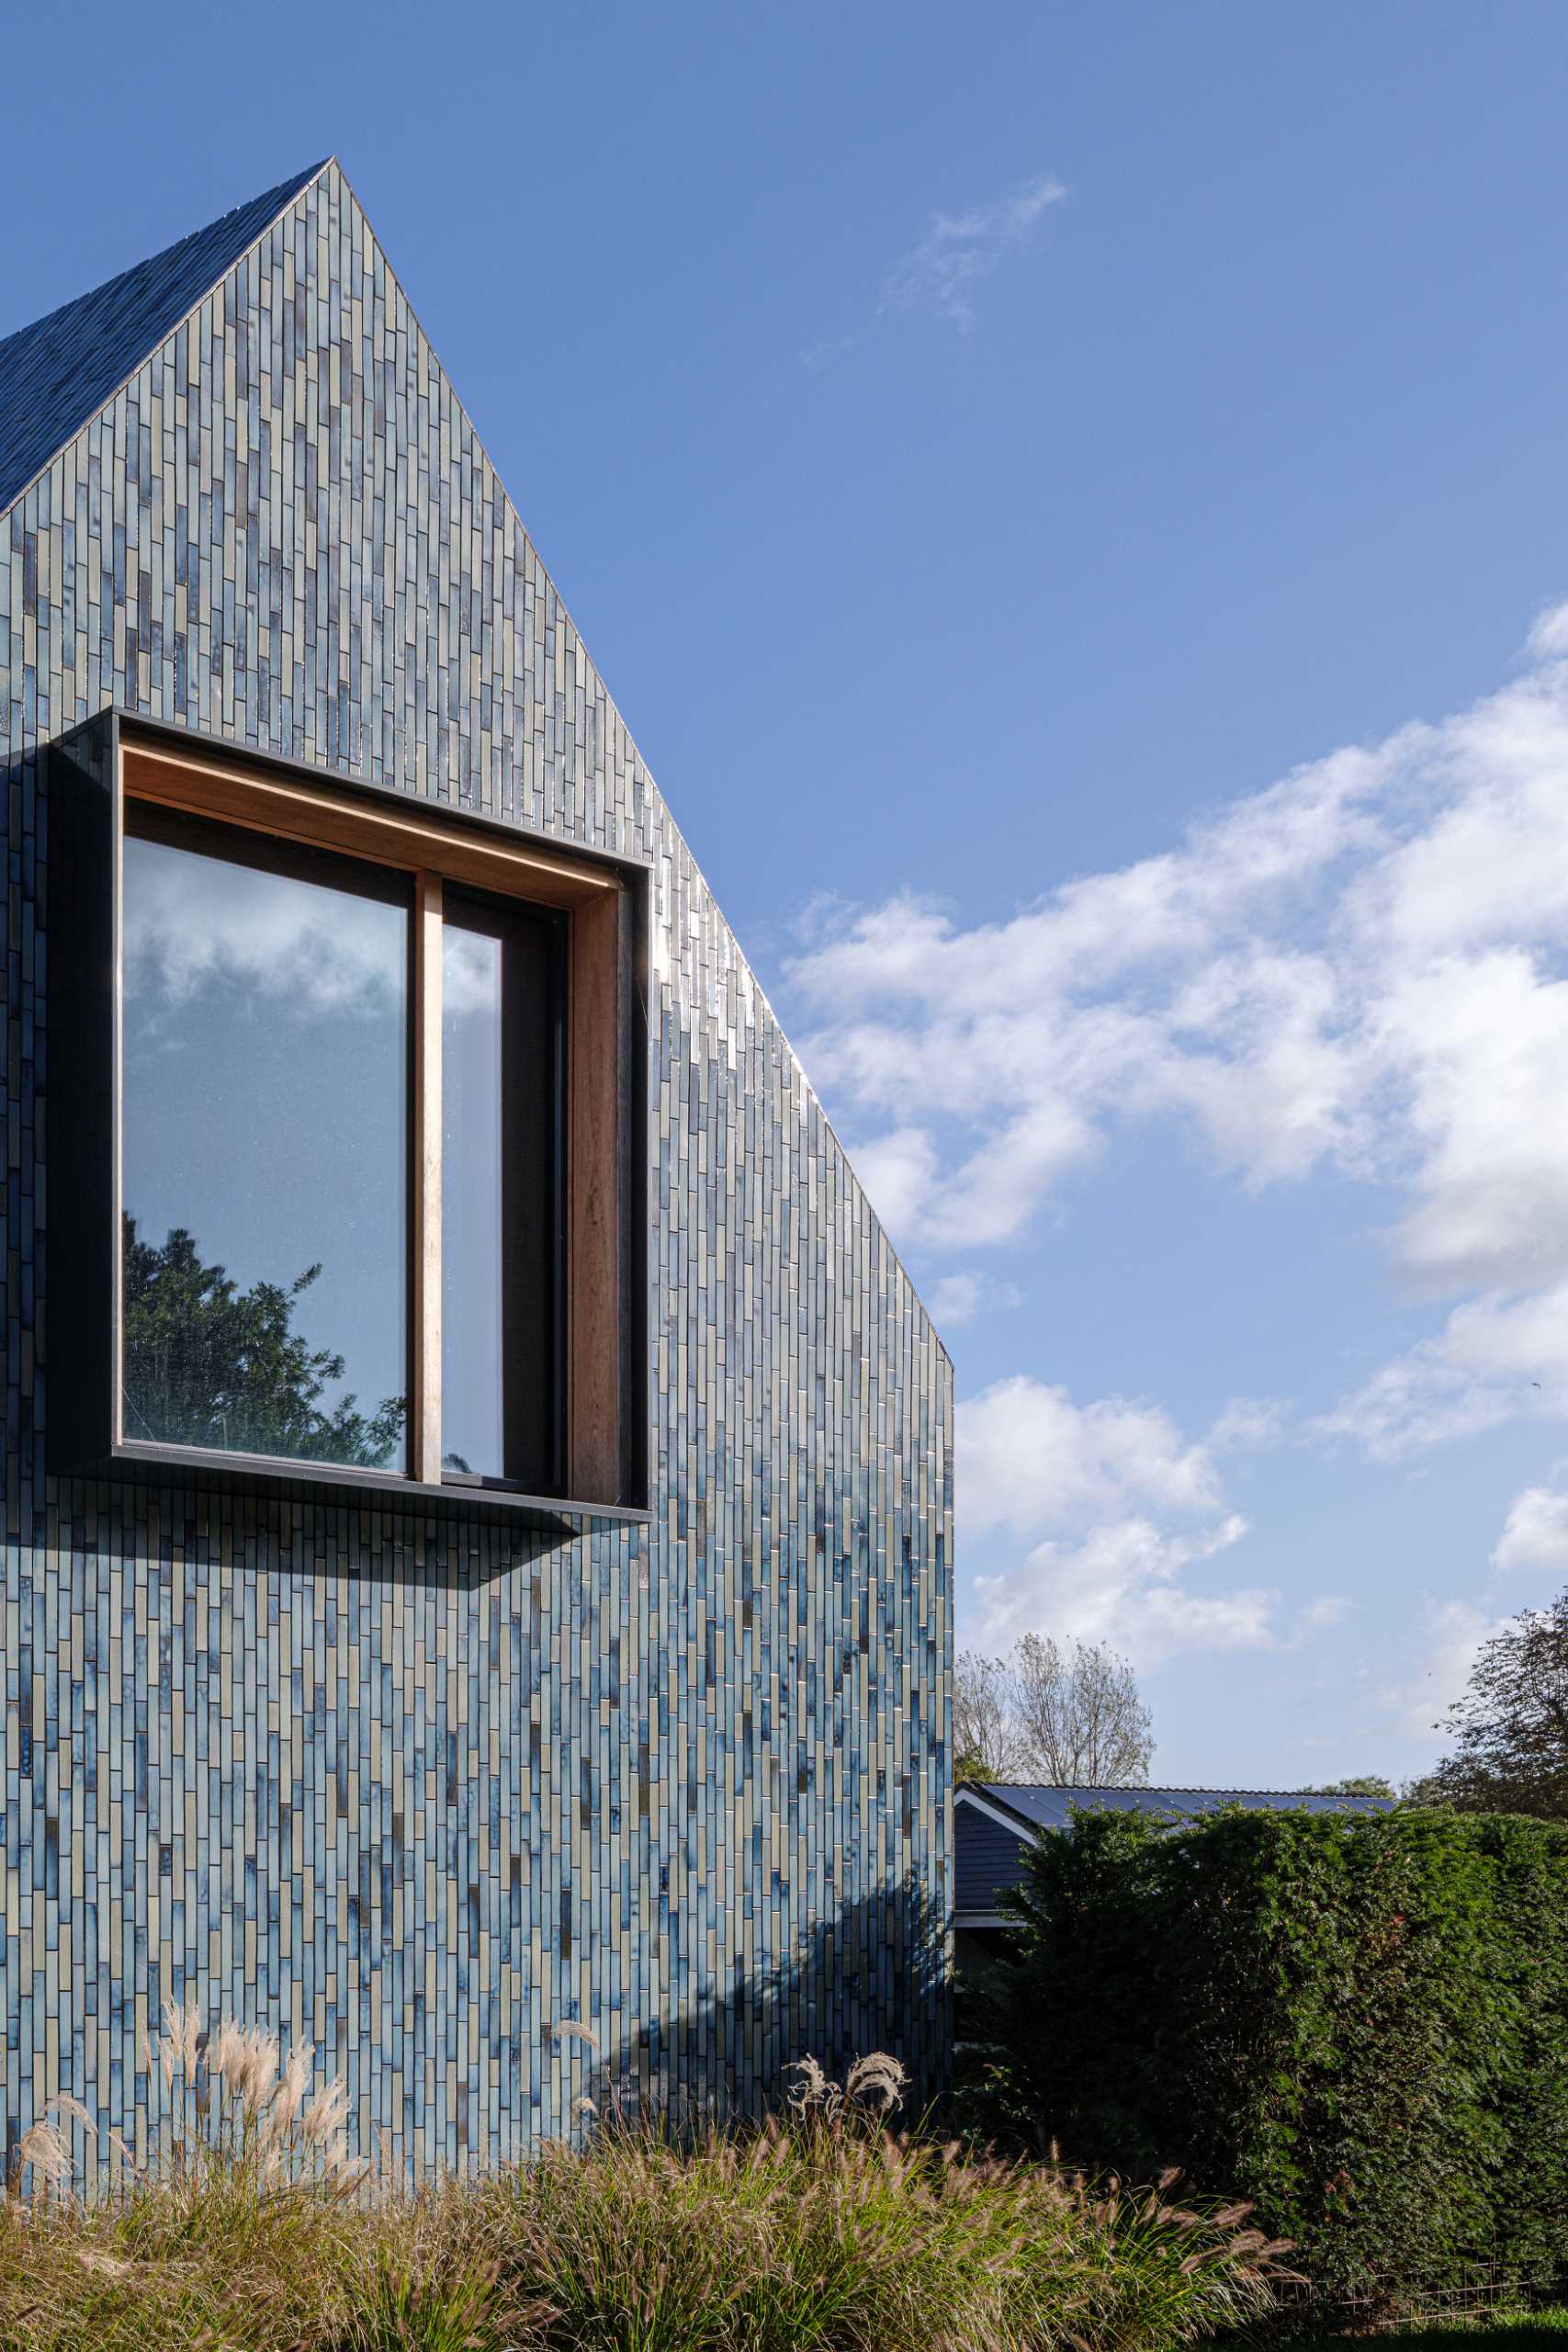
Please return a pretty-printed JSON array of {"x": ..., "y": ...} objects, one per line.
[
  {"x": 1358, "y": 2022},
  {"x": 252, "y": 2230}
]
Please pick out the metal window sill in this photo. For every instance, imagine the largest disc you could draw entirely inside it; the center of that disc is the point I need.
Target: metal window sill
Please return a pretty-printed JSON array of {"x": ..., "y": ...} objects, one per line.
[{"x": 348, "y": 1485}]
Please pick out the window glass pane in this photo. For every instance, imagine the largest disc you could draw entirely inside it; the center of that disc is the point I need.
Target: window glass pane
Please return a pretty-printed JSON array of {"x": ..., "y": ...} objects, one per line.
[
  {"x": 265, "y": 1146},
  {"x": 499, "y": 1257}
]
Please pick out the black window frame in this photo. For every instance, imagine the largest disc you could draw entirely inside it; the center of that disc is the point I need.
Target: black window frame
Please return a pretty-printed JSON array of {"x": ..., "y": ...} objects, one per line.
[
  {"x": 605, "y": 1258},
  {"x": 533, "y": 1320}
]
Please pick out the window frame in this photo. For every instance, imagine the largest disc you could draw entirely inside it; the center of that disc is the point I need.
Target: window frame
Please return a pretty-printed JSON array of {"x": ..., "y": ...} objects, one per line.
[{"x": 603, "y": 898}]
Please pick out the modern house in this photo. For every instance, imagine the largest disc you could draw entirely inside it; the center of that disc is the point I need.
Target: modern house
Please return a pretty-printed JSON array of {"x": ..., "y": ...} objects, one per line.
[
  {"x": 477, "y": 1479},
  {"x": 995, "y": 1824}
]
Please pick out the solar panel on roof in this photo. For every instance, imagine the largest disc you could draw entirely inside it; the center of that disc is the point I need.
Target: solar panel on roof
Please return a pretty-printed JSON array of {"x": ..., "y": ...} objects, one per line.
[{"x": 1052, "y": 1805}]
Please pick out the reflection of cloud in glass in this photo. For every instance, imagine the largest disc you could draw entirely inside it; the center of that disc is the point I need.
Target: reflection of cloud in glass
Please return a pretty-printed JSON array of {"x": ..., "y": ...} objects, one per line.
[
  {"x": 469, "y": 980},
  {"x": 321, "y": 949},
  {"x": 265, "y": 1131}
]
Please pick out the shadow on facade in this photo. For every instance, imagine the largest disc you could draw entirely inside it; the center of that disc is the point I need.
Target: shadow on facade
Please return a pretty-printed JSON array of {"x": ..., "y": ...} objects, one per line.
[
  {"x": 282, "y": 1538},
  {"x": 871, "y": 1976}
]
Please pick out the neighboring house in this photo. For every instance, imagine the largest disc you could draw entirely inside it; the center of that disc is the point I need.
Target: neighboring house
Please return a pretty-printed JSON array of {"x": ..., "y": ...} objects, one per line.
[
  {"x": 995, "y": 1824},
  {"x": 477, "y": 1573}
]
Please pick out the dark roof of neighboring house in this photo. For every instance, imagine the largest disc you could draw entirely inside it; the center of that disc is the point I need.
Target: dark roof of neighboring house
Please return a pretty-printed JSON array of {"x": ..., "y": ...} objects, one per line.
[
  {"x": 1052, "y": 1807},
  {"x": 58, "y": 373},
  {"x": 992, "y": 1835}
]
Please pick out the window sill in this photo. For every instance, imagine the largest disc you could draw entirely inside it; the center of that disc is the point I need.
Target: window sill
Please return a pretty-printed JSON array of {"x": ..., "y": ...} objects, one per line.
[{"x": 348, "y": 1485}]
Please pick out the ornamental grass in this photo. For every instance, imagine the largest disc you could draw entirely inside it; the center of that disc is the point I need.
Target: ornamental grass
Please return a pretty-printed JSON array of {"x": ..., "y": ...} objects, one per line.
[{"x": 252, "y": 2227}]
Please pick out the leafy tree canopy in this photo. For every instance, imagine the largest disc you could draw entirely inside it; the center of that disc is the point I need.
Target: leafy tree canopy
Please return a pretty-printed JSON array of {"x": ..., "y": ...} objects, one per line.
[
  {"x": 1510, "y": 1729},
  {"x": 208, "y": 1363},
  {"x": 1356, "y": 1784}
]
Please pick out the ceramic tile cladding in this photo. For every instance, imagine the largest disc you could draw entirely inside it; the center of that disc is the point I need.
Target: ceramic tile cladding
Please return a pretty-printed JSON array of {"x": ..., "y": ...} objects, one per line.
[{"x": 424, "y": 1793}]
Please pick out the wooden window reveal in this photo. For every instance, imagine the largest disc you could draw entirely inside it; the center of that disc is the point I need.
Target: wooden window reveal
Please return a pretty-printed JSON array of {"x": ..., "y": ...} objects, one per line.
[{"x": 602, "y": 1404}]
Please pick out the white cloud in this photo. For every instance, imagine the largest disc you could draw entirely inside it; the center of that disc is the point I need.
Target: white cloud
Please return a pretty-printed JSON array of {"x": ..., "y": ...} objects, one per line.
[
  {"x": 1247, "y": 1423},
  {"x": 192, "y": 921},
  {"x": 961, "y": 249},
  {"x": 956, "y": 1299},
  {"x": 1118, "y": 1585},
  {"x": 1412, "y": 1705},
  {"x": 1320, "y": 1615},
  {"x": 1535, "y": 1533},
  {"x": 1494, "y": 1359},
  {"x": 1548, "y": 639},
  {"x": 1362, "y": 968},
  {"x": 1121, "y": 1503},
  {"x": 897, "y": 1169},
  {"x": 1033, "y": 1458}
]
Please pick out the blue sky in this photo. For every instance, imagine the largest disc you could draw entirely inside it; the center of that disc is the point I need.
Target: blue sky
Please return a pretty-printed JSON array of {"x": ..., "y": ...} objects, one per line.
[{"x": 1066, "y": 497}]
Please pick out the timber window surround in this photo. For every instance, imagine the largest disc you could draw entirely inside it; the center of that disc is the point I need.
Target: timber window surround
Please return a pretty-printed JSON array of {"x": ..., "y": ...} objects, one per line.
[{"x": 360, "y": 1193}]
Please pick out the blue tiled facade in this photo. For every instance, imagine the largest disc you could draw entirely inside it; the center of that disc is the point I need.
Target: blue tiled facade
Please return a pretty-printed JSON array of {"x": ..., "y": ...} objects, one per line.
[{"x": 424, "y": 1792}]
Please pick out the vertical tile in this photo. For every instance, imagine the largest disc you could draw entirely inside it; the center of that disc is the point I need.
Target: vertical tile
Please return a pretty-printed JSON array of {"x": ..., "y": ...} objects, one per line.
[{"x": 425, "y": 1793}]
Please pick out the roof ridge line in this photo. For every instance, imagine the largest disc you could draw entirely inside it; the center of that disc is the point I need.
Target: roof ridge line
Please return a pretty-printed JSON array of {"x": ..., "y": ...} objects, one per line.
[
  {"x": 303, "y": 187},
  {"x": 1158, "y": 1787}
]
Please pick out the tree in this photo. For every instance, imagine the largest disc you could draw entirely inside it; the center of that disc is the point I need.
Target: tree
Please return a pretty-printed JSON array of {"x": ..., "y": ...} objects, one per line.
[
  {"x": 210, "y": 1365},
  {"x": 1080, "y": 1714},
  {"x": 1070, "y": 1714},
  {"x": 1511, "y": 1728},
  {"x": 1356, "y": 1784},
  {"x": 985, "y": 1744}
]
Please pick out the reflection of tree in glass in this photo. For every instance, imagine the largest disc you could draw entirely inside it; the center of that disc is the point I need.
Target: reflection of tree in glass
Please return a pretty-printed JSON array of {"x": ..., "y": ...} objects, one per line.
[{"x": 210, "y": 1365}]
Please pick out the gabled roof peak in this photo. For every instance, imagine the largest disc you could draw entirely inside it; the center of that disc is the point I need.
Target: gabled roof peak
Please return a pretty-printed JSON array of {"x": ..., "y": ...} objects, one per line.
[{"x": 56, "y": 373}]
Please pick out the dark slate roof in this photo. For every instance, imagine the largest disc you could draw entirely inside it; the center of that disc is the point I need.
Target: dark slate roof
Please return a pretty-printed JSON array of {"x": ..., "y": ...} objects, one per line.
[
  {"x": 58, "y": 373},
  {"x": 1052, "y": 1807},
  {"x": 989, "y": 1853}
]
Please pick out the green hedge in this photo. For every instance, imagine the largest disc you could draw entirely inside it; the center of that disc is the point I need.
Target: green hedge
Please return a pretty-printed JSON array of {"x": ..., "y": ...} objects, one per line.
[{"x": 1362, "y": 2023}]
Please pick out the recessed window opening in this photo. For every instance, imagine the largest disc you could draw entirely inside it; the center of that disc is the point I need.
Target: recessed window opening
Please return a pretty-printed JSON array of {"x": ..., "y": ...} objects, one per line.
[{"x": 360, "y": 1173}]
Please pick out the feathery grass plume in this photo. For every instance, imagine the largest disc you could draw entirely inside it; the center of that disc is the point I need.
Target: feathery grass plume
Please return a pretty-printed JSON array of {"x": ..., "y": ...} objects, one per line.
[
  {"x": 569, "y": 2029},
  {"x": 65, "y": 2103},
  {"x": 289, "y": 2095},
  {"x": 874, "y": 2084},
  {"x": 814, "y": 2092},
  {"x": 42, "y": 2148},
  {"x": 126, "y": 2153},
  {"x": 187, "y": 2032},
  {"x": 820, "y": 2228},
  {"x": 879, "y": 2081},
  {"x": 178, "y": 2050},
  {"x": 323, "y": 2122},
  {"x": 247, "y": 2065},
  {"x": 226, "y": 2049}
]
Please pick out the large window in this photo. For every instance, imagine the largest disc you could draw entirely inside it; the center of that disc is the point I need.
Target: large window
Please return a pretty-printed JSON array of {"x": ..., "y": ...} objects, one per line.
[
  {"x": 371, "y": 1151},
  {"x": 263, "y": 1147}
]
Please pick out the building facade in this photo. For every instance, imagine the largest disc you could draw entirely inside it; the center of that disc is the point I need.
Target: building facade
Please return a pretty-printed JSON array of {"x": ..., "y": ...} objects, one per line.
[{"x": 442, "y": 1773}]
